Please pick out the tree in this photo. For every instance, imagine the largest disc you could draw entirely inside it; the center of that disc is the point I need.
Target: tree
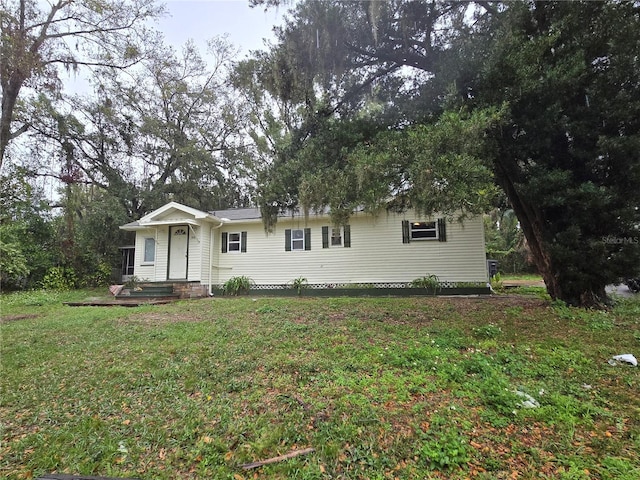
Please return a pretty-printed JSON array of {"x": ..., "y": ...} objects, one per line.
[
  {"x": 170, "y": 130},
  {"x": 559, "y": 81},
  {"x": 505, "y": 241},
  {"x": 569, "y": 156},
  {"x": 27, "y": 241},
  {"x": 70, "y": 34}
]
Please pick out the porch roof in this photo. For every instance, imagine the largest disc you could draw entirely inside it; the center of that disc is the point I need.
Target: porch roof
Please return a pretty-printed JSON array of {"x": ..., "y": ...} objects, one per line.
[{"x": 138, "y": 225}]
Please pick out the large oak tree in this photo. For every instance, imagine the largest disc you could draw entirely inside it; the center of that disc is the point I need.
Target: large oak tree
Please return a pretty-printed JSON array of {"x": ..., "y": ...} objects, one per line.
[
  {"x": 39, "y": 37},
  {"x": 171, "y": 129},
  {"x": 547, "y": 95}
]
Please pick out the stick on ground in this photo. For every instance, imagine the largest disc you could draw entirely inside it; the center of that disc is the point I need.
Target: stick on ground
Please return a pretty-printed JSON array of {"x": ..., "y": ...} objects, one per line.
[{"x": 286, "y": 456}]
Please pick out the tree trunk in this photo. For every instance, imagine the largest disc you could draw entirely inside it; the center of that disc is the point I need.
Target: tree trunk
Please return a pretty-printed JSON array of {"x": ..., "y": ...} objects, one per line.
[
  {"x": 532, "y": 222},
  {"x": 9, "y": 99}
]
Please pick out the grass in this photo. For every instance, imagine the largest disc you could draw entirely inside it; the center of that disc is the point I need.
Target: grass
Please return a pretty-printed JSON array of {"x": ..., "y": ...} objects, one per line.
[
  {"x": 380, "y": 387},
  {"x": 529, "y": 277}
]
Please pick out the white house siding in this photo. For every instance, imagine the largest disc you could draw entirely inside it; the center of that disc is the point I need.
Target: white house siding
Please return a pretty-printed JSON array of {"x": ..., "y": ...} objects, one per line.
[
  {"x": 198, "y": 260},
  {"x": 149, "y": 271},
  {"x": 194, "y": 271},
  {"x": 204, "y": 234},
  {"x": 377, "y": 253}
]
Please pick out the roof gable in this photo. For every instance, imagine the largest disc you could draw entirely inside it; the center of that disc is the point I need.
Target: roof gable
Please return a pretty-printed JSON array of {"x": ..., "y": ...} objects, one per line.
[
  {"x": 171, "y": 214},
  {"x": 174, "y": 210}
]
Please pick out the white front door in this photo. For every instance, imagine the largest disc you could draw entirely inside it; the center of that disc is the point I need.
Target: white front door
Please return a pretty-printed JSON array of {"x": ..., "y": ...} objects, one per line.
[{"x": 178, "y": 252}]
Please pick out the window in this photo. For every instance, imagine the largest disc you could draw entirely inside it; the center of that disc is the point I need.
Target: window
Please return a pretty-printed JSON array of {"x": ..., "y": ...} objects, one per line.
[
  {"x": 336, "y": 236},
  {"x": 234, "y": 242},
  {"x": 297, "y": 239},
  {"x": 423, "y": 230},
  {"x": 417, "y": 230},
  {"x": 149, "y": 250}
]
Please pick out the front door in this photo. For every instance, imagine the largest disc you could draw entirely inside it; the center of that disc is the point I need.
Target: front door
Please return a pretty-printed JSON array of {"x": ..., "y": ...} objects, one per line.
[{"x": 178, "y": 252}]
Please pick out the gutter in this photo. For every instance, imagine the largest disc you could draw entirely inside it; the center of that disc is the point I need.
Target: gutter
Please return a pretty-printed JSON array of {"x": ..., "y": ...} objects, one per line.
[{"x": 222, "y": 222}]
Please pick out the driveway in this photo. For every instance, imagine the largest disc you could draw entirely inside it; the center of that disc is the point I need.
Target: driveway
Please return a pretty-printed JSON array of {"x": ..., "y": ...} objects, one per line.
[{"x": 621, "y": 290}]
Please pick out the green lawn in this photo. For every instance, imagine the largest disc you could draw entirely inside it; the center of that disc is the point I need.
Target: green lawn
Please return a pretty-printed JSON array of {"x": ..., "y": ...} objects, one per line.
[
  {"x": 402, "y": 388},
  {"x": 530, "y": 277}
]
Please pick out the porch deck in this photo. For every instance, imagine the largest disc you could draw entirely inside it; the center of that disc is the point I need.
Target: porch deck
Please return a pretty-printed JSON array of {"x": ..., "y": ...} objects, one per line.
[{"x": 121, "y": 302}]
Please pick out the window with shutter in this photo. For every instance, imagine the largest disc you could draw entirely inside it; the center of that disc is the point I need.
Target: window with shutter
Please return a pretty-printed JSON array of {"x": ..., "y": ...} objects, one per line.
[
  {"x": 297, "y": 239},
  {"x": 336, "y": 236},
  {"x": 234, "y": 242},
  {"x": 419, "y": 230}
]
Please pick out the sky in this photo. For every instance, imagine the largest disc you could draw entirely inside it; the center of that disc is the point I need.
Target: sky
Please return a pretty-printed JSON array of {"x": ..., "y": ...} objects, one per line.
[{"x": 200, "y": 20}]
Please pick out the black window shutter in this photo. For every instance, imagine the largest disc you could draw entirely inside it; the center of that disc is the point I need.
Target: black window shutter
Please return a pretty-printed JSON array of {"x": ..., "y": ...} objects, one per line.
[
  {"x": 225, "y": 236},
  {"x": 325, "y": 237},
  {"x": 287, "y": 240},
  {"x": 307, "y": 239},
  {"x": 442, "y": 230},
  {"x": 347, "y": 236},
  {"x": 243, "y": 241},
  {"x": 405, "y": 231}
]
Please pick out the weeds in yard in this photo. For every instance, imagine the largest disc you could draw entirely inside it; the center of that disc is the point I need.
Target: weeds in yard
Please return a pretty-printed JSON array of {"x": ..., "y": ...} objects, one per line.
[
  {"x": 381, "y": 388},
  {"x": 444, "y": 449},
  {"x": 488, "y": 331}
]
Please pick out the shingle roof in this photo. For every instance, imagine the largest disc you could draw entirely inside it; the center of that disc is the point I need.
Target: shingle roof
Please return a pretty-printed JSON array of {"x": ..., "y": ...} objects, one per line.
[
  {"x": 238, "y": 213},
  {"x": 249, "y": 214}
]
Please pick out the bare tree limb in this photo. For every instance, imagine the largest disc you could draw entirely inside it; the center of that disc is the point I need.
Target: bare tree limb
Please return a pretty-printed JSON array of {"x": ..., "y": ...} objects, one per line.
[{"x": 292, "y": 454}]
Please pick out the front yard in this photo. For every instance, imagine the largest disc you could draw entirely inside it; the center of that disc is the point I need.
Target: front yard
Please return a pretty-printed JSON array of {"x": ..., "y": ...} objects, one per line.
[{"x": 379, "y": 387}]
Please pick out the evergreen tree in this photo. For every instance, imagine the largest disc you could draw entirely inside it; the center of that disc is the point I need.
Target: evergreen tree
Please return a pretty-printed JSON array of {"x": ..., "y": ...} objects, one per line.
[{"x": 568, "y": 157}]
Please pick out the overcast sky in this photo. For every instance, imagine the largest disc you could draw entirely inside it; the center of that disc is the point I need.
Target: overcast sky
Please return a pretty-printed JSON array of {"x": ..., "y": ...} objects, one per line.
[{"x": 202, "y": 19}]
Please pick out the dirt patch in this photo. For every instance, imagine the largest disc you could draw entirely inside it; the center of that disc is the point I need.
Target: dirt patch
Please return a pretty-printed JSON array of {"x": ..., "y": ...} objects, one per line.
[{"x": 14, "y": 318}]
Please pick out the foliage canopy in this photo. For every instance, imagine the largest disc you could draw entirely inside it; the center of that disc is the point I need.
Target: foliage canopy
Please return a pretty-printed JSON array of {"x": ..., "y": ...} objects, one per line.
[{"x": 406, "y": 100}]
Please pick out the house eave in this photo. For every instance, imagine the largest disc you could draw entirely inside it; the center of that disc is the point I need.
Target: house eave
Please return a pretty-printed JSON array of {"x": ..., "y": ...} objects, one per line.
[{"x": 134, "y": 226}]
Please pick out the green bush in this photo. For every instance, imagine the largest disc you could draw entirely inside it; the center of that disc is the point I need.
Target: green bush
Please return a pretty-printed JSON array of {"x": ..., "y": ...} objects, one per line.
[
  {"x": 299, "y": 284},
  {"x": 432, "y": 282},
  {"x": 237, "y": 285},
  {"x": 100, "y": 277},
  {"x": 60, "y": 278},
  {"x": 13, "y": 264},
  {"x": 496, "y": 283}
]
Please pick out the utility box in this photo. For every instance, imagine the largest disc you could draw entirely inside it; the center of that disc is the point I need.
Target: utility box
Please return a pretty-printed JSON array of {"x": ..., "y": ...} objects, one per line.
[{"x": 492, "y": 267}]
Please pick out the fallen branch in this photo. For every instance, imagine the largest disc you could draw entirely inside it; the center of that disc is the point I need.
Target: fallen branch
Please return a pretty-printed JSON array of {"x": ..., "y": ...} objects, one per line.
[{"x": 294, "y": 453}]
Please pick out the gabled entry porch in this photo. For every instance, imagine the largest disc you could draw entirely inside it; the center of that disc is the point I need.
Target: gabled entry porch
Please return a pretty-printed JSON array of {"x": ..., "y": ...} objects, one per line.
[{"x": 174, "y": 245}]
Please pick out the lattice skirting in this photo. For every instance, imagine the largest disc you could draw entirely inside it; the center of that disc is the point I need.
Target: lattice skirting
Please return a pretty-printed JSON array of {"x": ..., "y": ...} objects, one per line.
[
  {"x": 368, "y": 289},
  {"x": 385, "y": 285}
]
